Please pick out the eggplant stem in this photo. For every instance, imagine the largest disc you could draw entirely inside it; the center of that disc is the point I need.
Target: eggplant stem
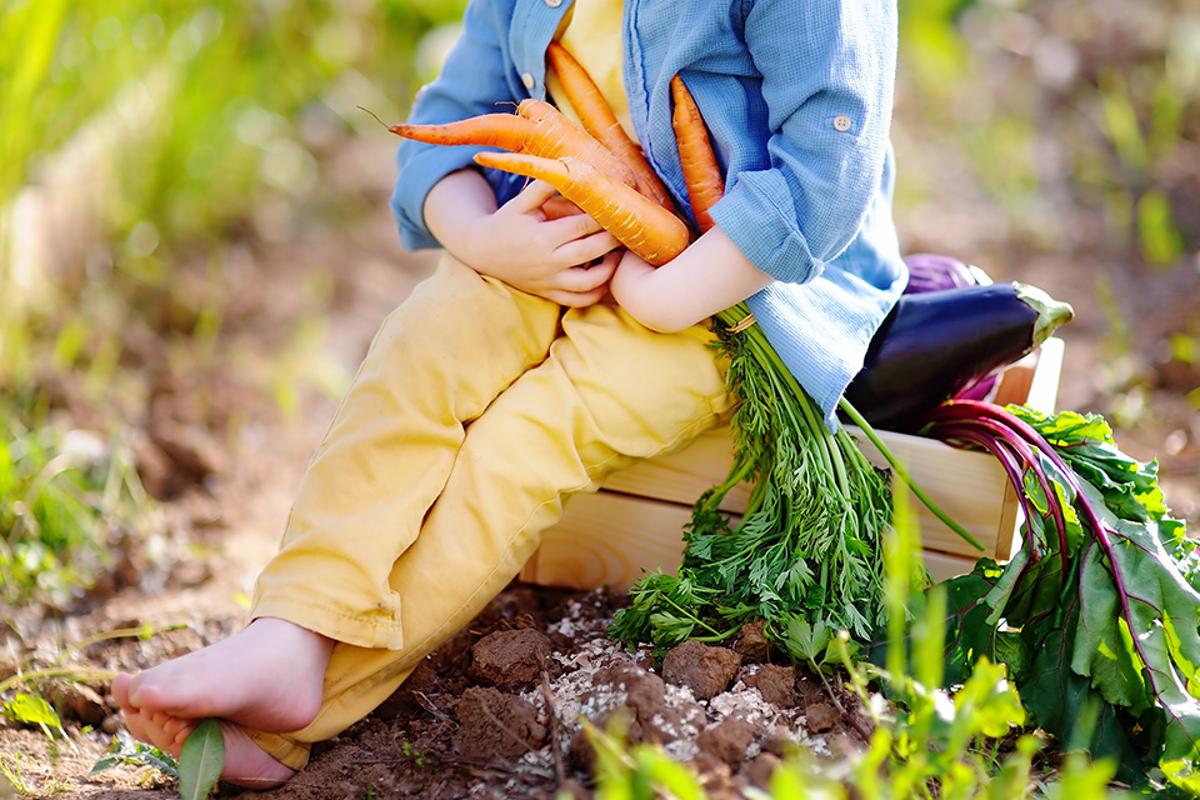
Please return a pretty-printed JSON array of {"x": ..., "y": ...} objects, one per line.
[{"x": 861, "y": 421}]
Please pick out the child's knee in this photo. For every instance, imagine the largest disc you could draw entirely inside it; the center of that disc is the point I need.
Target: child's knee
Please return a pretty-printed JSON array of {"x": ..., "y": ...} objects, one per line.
[{"x": 457, "y": 320}]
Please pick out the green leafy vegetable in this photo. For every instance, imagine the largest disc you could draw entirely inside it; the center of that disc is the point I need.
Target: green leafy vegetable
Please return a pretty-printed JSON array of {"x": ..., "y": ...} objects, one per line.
[
  {"x": 124, "y": 750},
  {"x": 1105, "y": 616}
]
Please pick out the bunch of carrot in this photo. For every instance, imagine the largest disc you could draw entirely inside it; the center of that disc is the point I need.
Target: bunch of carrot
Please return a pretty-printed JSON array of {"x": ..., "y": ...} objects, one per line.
[{"x": 597, "y": 167}]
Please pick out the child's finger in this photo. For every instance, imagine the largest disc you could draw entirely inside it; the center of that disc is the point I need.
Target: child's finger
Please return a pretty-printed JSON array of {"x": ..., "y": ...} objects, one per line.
[
  {"x": 559, "y": 207},
  {"x": 568, "y": 229},
  {"x": 585, "y": 279},
  {"x": 533, "y": 196},
  {"x": 581, "y": 251}
]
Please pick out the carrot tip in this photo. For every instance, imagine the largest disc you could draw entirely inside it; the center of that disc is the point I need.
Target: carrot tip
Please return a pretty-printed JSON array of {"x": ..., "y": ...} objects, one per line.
[{"x": 391, "y": 128}]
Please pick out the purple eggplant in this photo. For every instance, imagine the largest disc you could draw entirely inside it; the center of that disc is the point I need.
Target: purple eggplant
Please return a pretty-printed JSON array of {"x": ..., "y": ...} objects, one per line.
[
  {"x": 930, "y": 272},
  {"x": 935, "y": 344}
]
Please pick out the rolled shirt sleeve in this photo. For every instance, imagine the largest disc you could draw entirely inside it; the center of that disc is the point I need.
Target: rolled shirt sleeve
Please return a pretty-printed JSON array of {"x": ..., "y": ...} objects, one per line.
[
  {"x": 472, "y": 82},
  {"x": 827, "y": 85}
]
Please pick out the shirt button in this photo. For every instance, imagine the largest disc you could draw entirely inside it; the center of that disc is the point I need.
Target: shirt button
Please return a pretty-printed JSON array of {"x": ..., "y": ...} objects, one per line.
[
  {"x": 528, "y": 80},
  {"x": 842, "y": 123},
  {"x": 554, "y": 3}
]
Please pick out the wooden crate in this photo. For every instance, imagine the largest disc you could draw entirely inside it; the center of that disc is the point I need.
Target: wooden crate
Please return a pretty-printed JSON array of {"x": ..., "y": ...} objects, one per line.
[{"x": 634, "y": 522}]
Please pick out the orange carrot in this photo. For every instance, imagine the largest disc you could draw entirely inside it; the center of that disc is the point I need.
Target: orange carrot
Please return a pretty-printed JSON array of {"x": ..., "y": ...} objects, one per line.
[
  {"x": 636, "y": 221},
  {"x": 701, "y": 172},
  {"x": 506, "y": 131},
  {"x": 566, "y": 138},
  {"x": 538, "y": 129},
  {"x": 600, "y": 121}
]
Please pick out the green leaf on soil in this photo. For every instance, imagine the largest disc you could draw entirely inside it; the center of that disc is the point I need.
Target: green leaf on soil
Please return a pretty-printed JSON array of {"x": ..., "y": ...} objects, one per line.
[
  {"x": 201, "y": 761},
  {"x": 124, "y": 750},
  {"x": 30, "y": 709}
]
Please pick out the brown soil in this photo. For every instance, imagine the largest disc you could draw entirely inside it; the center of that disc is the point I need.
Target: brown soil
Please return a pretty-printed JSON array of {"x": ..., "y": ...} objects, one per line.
[
  {"x": 494, "y": 725},
  {"x": 777, "y": 684},
  {"x": 442, "y": 735}
]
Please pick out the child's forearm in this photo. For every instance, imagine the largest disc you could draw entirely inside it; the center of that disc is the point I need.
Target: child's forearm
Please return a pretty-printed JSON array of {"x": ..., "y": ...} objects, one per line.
[
  {"x": 708, "y": 277},
  {"x": 454, "y": 207}
]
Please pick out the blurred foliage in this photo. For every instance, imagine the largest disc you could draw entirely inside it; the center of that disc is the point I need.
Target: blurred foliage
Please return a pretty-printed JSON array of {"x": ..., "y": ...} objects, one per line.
[
  {"x": 192, "y": 120},
  {"x": 136, "y": 139},
  {"x": 1058, "y": 104},
  {"x": 65, "y": 497}
]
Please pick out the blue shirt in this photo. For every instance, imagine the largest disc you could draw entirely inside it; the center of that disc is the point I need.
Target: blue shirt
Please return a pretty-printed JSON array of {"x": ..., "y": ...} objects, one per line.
[{"x": 797, "y": 95}]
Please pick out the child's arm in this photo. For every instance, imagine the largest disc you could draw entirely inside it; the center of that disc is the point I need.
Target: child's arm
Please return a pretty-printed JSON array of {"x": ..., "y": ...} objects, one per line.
[
  {"x": 828, "y": 68},
  {"x": 710, "y": 276},
  {"x": 515, "y": 242},
  {"x": 442, "y": 198}
]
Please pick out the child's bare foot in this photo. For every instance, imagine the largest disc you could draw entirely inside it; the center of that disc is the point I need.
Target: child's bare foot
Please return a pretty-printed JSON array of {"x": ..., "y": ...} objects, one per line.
[
  {"x": 246, "y": 764},
  {"x": 270, "y": 677}
]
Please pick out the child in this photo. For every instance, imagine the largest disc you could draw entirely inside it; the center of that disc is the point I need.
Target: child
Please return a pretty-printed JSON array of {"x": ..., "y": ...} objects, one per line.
[{"x": 505, "y": 384}]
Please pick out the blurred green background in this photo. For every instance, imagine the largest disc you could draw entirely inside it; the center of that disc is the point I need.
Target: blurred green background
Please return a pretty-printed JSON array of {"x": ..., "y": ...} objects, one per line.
[{"x": 160, "y": 163}]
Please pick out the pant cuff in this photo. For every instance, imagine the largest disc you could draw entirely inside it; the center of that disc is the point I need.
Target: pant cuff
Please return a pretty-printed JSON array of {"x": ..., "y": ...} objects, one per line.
[
  {"x": 286, "y": 751},
  {"x": 374, "y": 632}
]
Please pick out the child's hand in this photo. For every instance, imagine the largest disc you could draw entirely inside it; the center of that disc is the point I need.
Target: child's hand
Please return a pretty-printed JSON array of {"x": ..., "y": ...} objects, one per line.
[{"x": 521, "y": 247}]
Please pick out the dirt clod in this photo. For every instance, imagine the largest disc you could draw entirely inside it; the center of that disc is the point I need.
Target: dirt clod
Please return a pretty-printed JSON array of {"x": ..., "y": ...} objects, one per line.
[
  {"x": 496, "y": 725},
  {"x": 704, "y": 669},
  {"x": 820, "y": 717},
  {"x": 510, "y": 659},
  {"x": 751, "y": 643},
  {"x": 728, "y": 740},
  {"x": 759, "y": 771},
  {"x": 76, "y": 701},
  {"x": 777, "y": 684}
]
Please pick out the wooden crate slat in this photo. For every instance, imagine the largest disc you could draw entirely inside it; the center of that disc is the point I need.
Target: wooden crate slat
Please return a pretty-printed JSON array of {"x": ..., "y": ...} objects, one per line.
[
  {"x": 969, "y": 486},
  {"x": 1043, "y": 388},
  {"x": 682, "y": 477},
  {"x": 1016, "y": 380},
  {"x": 943, "y": 566},
  {"x": 610, "y": 539}
]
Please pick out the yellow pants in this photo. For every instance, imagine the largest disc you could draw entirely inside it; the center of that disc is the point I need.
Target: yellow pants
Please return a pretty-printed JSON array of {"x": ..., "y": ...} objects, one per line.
[{"x": 477, "y": 411}]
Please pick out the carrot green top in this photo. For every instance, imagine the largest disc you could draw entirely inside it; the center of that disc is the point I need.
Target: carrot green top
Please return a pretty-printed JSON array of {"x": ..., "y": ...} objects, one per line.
[{"x": 591, "y": 32}]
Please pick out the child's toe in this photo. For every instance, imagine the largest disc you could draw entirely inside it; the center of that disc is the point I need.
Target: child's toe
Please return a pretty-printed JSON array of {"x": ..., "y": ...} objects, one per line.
[{"x": 121, "y": 686}]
